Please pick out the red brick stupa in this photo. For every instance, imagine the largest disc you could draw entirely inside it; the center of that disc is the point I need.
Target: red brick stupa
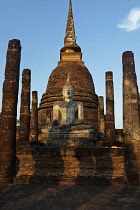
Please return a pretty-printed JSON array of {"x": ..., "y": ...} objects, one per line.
[{"x": 70, "y": 63}]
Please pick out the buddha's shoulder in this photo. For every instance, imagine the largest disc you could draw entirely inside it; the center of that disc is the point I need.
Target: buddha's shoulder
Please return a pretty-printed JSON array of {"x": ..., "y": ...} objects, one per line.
[{"x": 78, "y": 103}]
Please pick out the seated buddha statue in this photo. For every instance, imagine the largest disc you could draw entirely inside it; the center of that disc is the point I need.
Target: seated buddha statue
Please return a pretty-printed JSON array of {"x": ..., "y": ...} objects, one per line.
[{"x": 68, "y": 115}]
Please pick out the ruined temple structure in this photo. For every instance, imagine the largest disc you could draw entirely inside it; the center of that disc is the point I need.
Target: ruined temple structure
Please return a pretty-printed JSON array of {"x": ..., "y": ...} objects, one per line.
[
  {"x": 43, "y": 150},
  {"x": 70, "y": 63}
]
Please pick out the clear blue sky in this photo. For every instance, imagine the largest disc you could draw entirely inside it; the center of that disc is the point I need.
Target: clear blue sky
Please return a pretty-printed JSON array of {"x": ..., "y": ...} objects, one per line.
[{"x": 104, "y": 30}]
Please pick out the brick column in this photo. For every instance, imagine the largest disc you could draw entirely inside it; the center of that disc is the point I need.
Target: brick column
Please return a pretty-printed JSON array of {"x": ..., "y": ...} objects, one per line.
[
  {"x": 109, "y": 119},
  {"x": 9, "y": 113},
  {"x": 25, "y": 106},
  {"x": 34, "y": 118},
  {"x": 131, "y": 118},
  {"x": 101, "y": 118},
  {"x": 139, "y": 105}
]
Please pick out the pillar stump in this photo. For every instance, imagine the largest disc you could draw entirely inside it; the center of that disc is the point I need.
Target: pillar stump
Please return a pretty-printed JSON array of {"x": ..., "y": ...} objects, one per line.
[
  {"x": 9, "y": 113},
  {"x": 109, "y": 119},
  {"x": 25, "y": 106}
]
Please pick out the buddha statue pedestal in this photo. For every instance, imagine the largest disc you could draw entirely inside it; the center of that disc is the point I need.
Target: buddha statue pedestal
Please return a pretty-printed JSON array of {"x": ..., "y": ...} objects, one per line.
[{"x": 80, "y": 135}]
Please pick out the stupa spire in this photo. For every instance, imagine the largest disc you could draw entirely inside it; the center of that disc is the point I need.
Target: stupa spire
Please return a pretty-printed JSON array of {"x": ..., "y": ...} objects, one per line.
[{"x": 70, "y": 38}]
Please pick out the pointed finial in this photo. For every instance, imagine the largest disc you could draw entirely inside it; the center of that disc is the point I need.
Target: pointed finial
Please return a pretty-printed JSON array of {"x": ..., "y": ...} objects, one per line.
[
  {"x": 68, "y": 79},
  {"x": 70, "y": 38},
  {"x": 68, "y": 83}
]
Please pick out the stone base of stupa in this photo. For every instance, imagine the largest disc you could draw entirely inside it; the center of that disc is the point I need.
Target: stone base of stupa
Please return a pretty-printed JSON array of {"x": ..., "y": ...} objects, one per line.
[
  {"x": 39, "y": 163},
  {"x": 82, "y": 135}
]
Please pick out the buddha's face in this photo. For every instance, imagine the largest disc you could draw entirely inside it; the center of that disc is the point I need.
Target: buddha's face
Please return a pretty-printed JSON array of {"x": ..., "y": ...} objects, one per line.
[{"x": 68, "y": 92}]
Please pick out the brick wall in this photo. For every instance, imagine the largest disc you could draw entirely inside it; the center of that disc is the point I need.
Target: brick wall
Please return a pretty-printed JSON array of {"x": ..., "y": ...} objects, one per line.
[{"x": 39, "y": 163}]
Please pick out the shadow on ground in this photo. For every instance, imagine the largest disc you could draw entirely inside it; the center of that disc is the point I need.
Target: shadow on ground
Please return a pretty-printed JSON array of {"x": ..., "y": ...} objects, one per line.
[{"x": 69, "y": 197}]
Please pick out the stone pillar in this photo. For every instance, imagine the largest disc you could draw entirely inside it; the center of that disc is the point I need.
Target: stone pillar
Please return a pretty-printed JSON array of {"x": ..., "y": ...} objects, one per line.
[
  {"x": 34, "y": 118},
  {"x": 25, "y": 106},
  {"x": 9, "y": 113},
  {"x": 109, "y": 119},
  {"x": 139, "y": 105},
  {"x": 101, "y": 118},
  {"x": 131, "y": 118}
]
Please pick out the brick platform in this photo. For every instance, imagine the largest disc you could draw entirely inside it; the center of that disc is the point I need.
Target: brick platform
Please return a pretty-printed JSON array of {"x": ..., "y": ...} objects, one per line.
[{"x": 69, "y": 165}]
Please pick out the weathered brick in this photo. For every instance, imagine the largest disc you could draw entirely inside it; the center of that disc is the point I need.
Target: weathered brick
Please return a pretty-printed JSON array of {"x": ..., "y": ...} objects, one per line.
[
  {"x": 9, "y": 112},
  {"x": 24, "y": 128},
  {"x": 34, "y": 118},
  {"x": 110, "y": 117}
]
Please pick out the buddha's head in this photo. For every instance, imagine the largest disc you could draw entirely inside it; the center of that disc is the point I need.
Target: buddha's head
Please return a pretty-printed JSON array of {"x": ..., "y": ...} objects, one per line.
[{"x": 68, "y": 90}]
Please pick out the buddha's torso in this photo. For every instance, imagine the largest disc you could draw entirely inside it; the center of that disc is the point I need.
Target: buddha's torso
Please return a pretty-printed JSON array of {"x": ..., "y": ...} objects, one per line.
[{"x": 67, "y": 110}]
